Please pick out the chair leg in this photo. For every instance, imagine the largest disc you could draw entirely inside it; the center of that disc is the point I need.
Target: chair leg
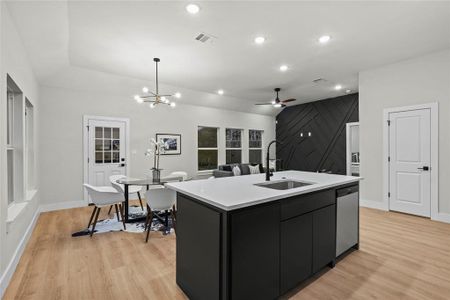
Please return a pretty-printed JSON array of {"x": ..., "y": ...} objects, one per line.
[
  {"x": 166, "y": 220},
  {"x": 149, "y": 224},
  {"x": 95, "y": 221},
  {"x": 140, "y": 200},
  {"x": 92, "y": 216},
  {"x": 146, "y": 219},
  {"x": 110, "y": 208},
  {"x": 123, "y": 219},
  {"x": 117, "y": 212}
]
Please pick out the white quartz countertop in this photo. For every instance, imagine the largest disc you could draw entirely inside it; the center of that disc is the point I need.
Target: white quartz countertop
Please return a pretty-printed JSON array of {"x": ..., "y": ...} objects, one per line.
[{"x": 229, "y": 193}]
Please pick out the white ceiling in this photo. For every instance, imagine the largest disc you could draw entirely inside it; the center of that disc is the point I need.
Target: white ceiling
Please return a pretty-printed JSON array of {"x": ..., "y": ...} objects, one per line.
[{"x": 122, "y": 37}]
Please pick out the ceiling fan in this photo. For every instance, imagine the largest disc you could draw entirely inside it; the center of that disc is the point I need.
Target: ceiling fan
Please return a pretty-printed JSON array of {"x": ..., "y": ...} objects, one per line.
[
  {"x": 155, "y": 98},
  {"x": 277, "y": 102}
]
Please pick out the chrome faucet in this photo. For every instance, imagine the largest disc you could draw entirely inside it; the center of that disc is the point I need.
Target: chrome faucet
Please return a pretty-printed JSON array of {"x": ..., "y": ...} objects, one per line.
[{"x": 269, "y": 173}]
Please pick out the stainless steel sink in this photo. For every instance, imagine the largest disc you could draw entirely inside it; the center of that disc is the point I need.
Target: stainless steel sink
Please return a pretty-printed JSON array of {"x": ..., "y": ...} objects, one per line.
[{"x": 283, "y": 184}]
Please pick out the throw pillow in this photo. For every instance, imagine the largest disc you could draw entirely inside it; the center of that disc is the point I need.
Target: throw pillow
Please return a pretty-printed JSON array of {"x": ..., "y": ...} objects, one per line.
[
  {"x": 254, "y": 169},
  {"x": 236, "y": 171},
  {"x": 226, "y": 168}
]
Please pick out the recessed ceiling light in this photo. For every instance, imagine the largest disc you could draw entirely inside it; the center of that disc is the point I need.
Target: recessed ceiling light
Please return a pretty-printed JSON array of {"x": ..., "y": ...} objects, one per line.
[
  {"x": 283, "y": 68},
  {"x": 220, "y": 92},
  {"x": 348, "y": 91},
  {"x": 260, "y": 40},
  {"x": 177, "y": 95},
  {"x": 192, "y": 8},
  {"x": 338, "y": 87},
  {"x": 324, "y": 39}
]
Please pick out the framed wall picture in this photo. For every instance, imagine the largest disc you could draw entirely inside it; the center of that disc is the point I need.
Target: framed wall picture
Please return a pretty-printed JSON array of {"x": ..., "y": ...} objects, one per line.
[{"x": 172, "y": 143}]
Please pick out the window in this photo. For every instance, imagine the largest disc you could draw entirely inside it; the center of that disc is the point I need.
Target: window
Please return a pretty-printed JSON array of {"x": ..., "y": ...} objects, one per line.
[
  {"x": 233, "y": 144},
  {"x": 255, "y": 146},
  {"x": 15, "y": 142},
  {"x": 207, "y": 148},
  {"x": 107, "y": 145}
]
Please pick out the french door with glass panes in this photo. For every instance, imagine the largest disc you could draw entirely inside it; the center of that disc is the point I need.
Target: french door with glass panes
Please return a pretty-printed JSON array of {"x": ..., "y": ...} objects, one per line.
[{"x": 106, "y": 150}]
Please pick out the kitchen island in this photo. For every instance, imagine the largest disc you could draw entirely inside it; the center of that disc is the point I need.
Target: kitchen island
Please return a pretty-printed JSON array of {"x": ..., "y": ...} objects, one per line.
[{"x": 238, "y": 238}]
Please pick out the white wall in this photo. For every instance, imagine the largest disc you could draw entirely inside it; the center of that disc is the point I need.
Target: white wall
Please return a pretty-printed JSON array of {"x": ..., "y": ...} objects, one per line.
[
  {"x": 61, "y": 142},
  {"x": 417, "y": 81},
  {"x": 14, "y": 61}
]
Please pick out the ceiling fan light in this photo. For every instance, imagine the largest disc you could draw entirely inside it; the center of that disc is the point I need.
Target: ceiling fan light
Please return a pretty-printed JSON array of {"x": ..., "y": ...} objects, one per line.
[
  {"x": 277, "y": 105},
  {"x": 273, "y": 102}
]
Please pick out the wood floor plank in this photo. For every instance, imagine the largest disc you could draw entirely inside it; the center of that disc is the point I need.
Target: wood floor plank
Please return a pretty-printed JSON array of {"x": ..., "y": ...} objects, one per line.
[{"x": 400, "y": 257}]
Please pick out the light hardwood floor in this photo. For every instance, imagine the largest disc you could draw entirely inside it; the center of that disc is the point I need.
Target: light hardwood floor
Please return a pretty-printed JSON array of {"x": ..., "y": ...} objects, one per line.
[{"x": 401, "y": 257}]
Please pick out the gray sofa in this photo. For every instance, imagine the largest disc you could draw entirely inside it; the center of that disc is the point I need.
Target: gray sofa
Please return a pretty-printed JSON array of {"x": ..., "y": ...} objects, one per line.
[{"x": 227, "y": 170}]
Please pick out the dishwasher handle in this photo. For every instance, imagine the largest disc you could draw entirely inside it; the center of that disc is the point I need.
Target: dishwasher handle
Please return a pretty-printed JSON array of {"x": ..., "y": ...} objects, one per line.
[{"x": 347, "y": 191}]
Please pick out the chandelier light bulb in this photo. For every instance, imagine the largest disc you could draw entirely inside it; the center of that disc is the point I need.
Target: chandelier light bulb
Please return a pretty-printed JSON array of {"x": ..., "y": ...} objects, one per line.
[
  {"x": 152, "y": 105},
  {"x": 145, "y": 89},
  {"x": 177, "y": 95},
  {"x": 173, "y": 104}
]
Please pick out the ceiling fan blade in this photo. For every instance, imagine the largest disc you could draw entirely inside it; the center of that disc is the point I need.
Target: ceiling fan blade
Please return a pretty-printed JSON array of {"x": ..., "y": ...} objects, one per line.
[
  {"x": 263, "y": 104},
  {"x": 288, "y": 100}
]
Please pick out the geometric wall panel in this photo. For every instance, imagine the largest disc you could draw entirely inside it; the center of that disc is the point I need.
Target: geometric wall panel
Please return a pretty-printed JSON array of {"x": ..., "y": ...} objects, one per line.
[{"x": 324, "y": 150}]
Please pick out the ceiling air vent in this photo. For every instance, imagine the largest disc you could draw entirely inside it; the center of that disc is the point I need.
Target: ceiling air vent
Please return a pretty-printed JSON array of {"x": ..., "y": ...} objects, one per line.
[
  {"x": 204, "y": 37},
  {"x": 319, "y": 81}
]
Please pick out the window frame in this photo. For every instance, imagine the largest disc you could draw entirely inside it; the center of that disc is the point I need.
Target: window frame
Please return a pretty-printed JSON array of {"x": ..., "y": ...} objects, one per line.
[
  {"x": 234, "y": 148},
  {"x": 207, "y": 148}
]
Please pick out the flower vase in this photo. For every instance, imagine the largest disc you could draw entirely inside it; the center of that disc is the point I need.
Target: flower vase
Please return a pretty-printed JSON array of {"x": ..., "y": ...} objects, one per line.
[{"x": 156, "y": 175}]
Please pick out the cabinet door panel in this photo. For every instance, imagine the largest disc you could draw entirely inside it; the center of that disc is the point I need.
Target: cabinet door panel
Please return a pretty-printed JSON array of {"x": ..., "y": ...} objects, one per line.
[
  {"x": 296, "y": 251},
  {"x": 255, "y": 253},
  {"x": 324, "y": 237}
]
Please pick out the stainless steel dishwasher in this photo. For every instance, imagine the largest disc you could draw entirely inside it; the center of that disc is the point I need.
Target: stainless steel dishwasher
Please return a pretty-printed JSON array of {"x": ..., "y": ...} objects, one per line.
[{"x": 347, "y": 220}]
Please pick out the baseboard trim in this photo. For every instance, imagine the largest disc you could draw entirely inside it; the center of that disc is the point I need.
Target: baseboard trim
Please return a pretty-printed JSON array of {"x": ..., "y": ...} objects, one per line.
[
  {"x": 62, "y": 205},
  {"x": 373, "y": 204},
  {"x": 442, "y": 217},
  {"x": 11, "y": 268}
]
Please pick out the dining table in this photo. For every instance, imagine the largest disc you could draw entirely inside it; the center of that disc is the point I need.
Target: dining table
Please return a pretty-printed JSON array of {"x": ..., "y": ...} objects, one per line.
[{"x": 127, "y": 182}]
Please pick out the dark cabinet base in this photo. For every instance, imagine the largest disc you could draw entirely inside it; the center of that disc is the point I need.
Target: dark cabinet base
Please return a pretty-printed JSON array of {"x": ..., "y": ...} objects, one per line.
[{"x": 258, "y": 252}]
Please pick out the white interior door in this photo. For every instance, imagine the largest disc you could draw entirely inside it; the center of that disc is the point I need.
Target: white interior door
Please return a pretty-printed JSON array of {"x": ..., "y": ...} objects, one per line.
[
  {"x": 106, "y": 150},
  {"x": 410, "y": 158}
]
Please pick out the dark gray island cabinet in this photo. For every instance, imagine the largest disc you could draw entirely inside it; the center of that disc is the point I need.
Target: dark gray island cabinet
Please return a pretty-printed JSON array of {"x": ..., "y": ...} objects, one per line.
[{"x": 259, "y": 251}]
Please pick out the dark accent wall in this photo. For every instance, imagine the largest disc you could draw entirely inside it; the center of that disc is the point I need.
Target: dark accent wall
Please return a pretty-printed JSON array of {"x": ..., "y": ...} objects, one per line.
[{"x": 325, "y": 148}]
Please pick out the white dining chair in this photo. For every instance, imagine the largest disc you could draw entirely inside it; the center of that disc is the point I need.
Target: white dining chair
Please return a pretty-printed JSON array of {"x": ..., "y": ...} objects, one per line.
[
  {"x": 102, "y": 196},
  {"x": 160, "y": 199},
  {"x": 132, "y": 189},
  {"x": 175, "y": 176}
]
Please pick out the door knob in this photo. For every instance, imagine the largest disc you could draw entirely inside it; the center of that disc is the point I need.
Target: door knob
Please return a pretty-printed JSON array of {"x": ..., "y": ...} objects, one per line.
[
  {"x": 424, "y": 168},
  {"x": 122, "y": 165}
]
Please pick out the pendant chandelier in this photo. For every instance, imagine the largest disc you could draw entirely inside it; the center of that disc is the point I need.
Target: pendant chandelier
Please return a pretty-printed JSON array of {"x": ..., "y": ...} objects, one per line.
[{"x": 155, "y": 98}]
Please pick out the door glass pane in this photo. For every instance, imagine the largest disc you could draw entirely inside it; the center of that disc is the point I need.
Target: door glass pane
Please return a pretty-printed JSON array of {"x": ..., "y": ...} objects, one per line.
[
  {"x": 233, "y": 157},
  {"x": 116, "y": 133},
  {"x": 207, "y": 159},
  {"x": 207, "y": 137},
  {"x": 98, "y": 145},
  {"x": 107, "y": 145},
  {"x": 116, "y": 156},
  {"x": 98, "y": 157},
  {"x": 99, "y": 132},
  {"x": 116, "y": 145},
  {"x": 107, "y": 132},
  {"x": 107, "y": 157}
]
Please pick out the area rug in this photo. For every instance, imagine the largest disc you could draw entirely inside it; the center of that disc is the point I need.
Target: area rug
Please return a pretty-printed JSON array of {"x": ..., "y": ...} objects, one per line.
[{"x": 134, "y": 212}]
